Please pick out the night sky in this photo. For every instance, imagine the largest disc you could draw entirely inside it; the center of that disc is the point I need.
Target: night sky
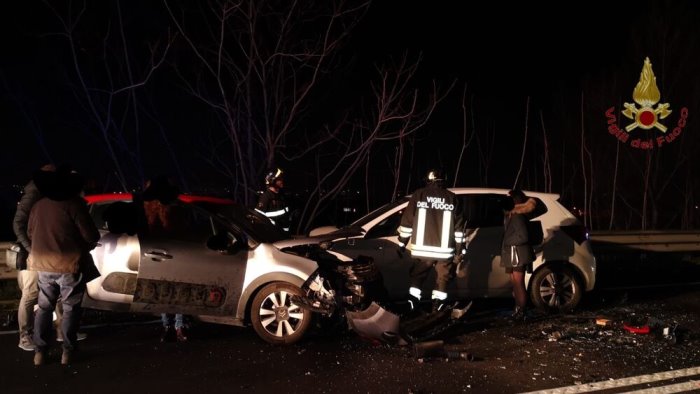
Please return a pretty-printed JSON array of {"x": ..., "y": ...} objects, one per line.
[{"x": 503, "y": 53}]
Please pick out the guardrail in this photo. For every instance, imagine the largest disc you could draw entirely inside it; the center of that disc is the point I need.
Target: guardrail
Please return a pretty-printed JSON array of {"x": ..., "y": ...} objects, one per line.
[{"x": 653, "y": 241}]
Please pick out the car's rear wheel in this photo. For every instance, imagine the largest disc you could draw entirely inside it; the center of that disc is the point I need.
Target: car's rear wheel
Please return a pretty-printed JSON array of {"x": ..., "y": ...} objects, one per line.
[
  {"x": 275, "y": 318},
  {"x": 555, "y": 288}
]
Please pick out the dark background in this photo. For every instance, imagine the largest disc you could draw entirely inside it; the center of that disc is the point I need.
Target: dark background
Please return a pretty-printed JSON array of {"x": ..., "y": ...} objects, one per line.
[{"x": 566, "y": 63}]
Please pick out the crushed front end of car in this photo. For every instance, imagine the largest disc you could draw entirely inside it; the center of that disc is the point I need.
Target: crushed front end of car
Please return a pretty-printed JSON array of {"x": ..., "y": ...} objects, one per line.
[{"x": 347, "y": 293}]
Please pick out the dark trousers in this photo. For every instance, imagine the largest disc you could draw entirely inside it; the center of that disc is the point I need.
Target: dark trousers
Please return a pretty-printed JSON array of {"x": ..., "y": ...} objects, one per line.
[
  {"x": 70, "y": 288},
  {"x": 421, "y": 270}
]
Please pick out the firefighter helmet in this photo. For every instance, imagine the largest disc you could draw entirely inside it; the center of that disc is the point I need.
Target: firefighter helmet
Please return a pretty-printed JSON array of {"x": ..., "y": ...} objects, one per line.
[
  {"x": 434, "y": 175},
  {"x": 272, "y": 176}
]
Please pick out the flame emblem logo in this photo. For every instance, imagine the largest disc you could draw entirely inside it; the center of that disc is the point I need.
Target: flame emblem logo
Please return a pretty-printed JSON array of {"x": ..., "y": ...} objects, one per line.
[{"x": 646, "y": 94}]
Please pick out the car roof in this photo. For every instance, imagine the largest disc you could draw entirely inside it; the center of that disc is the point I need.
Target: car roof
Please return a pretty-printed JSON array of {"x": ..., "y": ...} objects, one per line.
[
  {"x": 372, "y": 217},
  {"x": 261, "y": 230},
  {"x": 186, "y": 198},
  {"x": 471, "y": 190}
]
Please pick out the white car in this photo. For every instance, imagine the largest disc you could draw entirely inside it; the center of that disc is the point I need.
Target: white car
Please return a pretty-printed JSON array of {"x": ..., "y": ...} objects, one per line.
[
  {"x": 222, "y": 266},
  {"x": 565, "y": 266}
]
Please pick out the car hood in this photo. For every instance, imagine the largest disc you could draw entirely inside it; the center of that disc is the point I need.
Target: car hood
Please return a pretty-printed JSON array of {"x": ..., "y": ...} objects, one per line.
[{"x": 345, "y": 232}]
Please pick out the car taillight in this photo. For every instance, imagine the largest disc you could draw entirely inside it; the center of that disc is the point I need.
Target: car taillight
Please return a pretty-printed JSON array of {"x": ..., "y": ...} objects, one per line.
[{"x": 577, "y": 232}]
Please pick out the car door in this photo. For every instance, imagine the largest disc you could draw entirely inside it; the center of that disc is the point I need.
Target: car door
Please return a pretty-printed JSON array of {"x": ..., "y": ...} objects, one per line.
[
  {"x": 116, "y": 256},
  {"x": 179, "y": 272},
  {"x": 381, "y": 244},
  {"x": 484, "y": 275}
]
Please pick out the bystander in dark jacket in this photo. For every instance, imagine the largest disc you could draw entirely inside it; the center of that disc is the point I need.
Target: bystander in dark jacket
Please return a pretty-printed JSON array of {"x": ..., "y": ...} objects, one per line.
[
  {"x": 62, "y": 234},
  {"x": 28, "y": 281},
  {"x": 517, "y": 254}
]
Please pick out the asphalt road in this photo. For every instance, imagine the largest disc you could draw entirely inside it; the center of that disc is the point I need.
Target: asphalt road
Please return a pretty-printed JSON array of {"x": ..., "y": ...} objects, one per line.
[{"x": 122, "y": 354}]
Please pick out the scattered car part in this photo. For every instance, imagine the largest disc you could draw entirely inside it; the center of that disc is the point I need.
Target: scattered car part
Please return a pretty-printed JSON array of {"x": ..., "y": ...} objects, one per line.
[
  {"x": 636, "y": 329},
  {"x": 374, "y": 322}
]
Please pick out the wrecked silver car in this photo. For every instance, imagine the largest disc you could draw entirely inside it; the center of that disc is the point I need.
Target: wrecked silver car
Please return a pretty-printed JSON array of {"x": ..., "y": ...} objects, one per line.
[{"x": 222, "y": 266}]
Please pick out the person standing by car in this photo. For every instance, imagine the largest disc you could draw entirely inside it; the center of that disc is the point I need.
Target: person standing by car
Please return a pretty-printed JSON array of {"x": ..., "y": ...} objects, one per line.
[
  {"x": 431, "y": 228},
  {"x": 27, "y": 280},
  {"x": 162, "y": 217},
  {"x": 62, "y": 233},
  {"x": 272, "y": 202},
  {"x": 517, "y": 254}
]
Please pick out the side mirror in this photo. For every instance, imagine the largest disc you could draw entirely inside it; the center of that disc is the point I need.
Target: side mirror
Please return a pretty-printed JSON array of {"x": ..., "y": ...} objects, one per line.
[{"x": 225, "y": 243}]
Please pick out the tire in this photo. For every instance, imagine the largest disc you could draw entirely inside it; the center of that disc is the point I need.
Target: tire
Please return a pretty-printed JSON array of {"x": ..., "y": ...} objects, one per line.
[
  {"x": 275, "y": 318},
  {"x": 555, "y": 289}
]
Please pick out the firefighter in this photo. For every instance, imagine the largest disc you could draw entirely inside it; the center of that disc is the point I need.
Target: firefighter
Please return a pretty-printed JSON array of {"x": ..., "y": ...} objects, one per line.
[
  {"x": 272, "y": 202},
  {"x": 432, "y": 229}
]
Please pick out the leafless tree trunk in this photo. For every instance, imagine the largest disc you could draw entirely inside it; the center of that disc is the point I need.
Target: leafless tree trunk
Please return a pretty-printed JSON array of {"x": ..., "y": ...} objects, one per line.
[
  {"x": 410, "y": 168},
  {"x": 465, "y": 142},
  {"x": 645, "y": 191},
  {"x": 522, "y": 156},
  {"x": 398, "y": 159},
  {"x": 547, "y": 173},
  {"x": 586, "y": 221},
  {"x": 614, "y": 186}
]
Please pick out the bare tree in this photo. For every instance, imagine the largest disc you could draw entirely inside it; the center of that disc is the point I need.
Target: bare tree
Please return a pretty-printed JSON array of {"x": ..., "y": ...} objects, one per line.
[
  {"x": 522, "y": 155},
  {"x": 586, "y": 208},
  {"x": 465, "y": 142},
  {"x": 260, "y": 63},
  {"x": 111, "y": 106},
  {"x": 263, "y": 69},
  {"x": 395, "y": 114},
  {"x": 547, "y": 169}
]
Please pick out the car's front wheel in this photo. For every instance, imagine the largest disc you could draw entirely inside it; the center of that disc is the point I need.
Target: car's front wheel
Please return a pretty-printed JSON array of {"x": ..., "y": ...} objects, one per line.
[
  {"x": 275, "y": 318},
  {"x": 555, "y": 288}
]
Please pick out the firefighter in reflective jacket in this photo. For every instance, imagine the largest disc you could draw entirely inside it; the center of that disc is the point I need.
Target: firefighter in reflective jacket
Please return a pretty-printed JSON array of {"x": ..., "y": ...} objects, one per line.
[
  {"x": 432, "y": 229},
  {"x": 272, "y": 202}
]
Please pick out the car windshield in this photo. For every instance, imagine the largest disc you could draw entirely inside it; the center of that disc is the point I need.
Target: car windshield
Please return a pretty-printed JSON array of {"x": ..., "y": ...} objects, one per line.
[
  {"x": 254, "y": 224},
  {"x": 378, "y": 212}
]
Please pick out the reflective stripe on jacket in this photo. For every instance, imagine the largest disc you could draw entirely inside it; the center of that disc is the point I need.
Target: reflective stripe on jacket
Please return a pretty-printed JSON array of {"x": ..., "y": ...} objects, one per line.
[
  {"x": 432, "y": 223},
  {"x": 274, "y": 206}
]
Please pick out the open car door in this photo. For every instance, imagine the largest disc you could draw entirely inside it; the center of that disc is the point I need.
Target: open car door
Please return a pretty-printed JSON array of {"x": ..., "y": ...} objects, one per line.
[{"x": 196, "y": 266}]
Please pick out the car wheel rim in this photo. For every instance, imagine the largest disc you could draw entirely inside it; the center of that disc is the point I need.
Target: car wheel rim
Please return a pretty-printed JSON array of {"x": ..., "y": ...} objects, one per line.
[
  {"x": 279, "y": 316},
  {"x": 557, "y": 289}
]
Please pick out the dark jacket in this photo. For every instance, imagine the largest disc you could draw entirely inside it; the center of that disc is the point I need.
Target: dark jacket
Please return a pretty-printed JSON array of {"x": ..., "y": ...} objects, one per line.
[
  {"x": 433, "y": 223},
  {"x": 19, "y": 224},
  {"x": 516, "y": 250},
  {"x": 274, "y": 206},
  {"x": 62, "y": 235},
  {"x": 60, "y": 228}
]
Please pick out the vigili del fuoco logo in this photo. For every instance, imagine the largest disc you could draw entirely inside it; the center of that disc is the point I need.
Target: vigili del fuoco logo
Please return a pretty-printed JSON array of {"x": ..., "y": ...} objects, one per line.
[{"x": 646, "y": 115}]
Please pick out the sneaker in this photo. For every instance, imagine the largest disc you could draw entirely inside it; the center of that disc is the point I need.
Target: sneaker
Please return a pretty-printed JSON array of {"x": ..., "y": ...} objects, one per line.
[
  {"x": 66, "y": 357},
  {"x": 180, "y": 335},
  {"x": 26, "y": 343},
  {"x": 79, "y": 336},
  {"x": 38, "y": 358}
]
